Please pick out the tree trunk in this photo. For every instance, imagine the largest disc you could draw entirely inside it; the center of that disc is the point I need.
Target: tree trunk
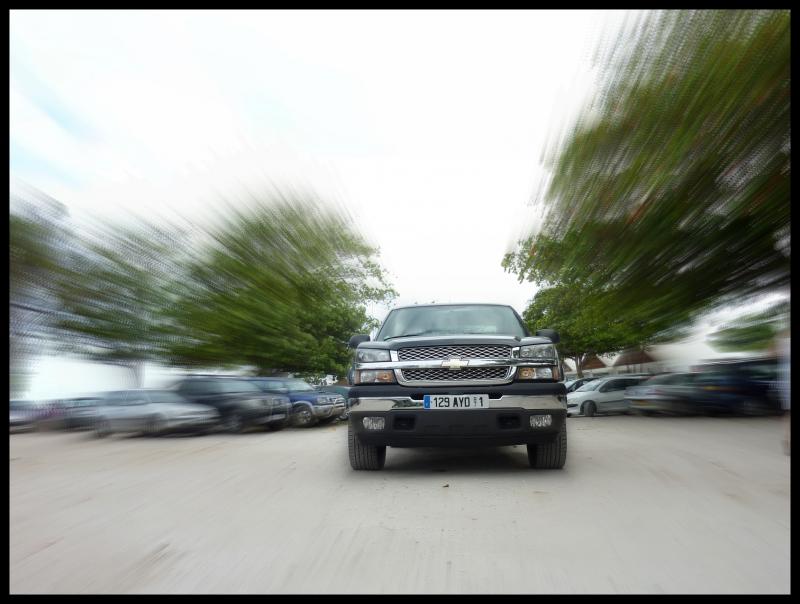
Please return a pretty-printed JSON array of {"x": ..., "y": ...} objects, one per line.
[
  {"x": 579, "y": 365},
  {"x": 137, "y": 372}
]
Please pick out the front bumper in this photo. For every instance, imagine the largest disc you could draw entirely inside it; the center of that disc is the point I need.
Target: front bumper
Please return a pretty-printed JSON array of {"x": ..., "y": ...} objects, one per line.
[
  {"x": 505, "y": 422},
  {"x": 326, "y": 411}
]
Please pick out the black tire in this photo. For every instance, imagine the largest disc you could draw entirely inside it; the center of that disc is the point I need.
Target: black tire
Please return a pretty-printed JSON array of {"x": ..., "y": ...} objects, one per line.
[
  {"x": 234, "y": 423},
  {"x": 550, "y": 456},
  {"x": 275, "y": 426},
  {"x": 155, "y": 426},
  {"x": 102, "y": 428},
  {"x": 750, "y": 407},
  {"x": 304, "y": 417},
  {"x": 589, "y": 409},
  {"x": 364, "y": 457}
]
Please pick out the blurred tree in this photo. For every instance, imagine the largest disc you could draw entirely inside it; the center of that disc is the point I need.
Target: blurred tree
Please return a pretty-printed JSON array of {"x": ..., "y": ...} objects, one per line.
[
  {"x": 36, "y": 239},
  {"x": 116, "y": 289},
  {"x": 671, "y": 193},
  {"x": 752, "y": 332},
  {"x": 280, "y": 287},
  {"x": 588, "y": 324}
]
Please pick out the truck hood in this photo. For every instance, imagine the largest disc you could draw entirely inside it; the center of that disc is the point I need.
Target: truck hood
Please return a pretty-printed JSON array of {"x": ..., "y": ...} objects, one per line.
[{"x": 470, "y": 340}]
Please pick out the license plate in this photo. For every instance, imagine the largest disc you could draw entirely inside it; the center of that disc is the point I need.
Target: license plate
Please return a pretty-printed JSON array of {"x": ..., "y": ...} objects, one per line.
[{"x": 456, "y": 401}]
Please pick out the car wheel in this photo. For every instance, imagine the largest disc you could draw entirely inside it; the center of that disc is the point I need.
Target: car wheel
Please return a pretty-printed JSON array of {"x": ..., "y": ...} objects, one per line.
[
  {"x": 750, "y": 407},
  {"x": 589, "y": 409},
  {"x": 304, "y": 417},
  {"x": 364, "y": 457},
  {"x": 234, "y": 423},
  {"x": 550, "y": 456},
  {"x": 275, "y": 426},
  {"x": 155, "y": 425},
  {"x": 102, "y": 428}
]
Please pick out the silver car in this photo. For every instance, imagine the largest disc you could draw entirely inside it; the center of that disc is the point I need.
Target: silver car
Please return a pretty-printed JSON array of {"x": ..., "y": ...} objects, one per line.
[
  {"x": 151, "y": 412},
  {"x": 606, "y": 395}
]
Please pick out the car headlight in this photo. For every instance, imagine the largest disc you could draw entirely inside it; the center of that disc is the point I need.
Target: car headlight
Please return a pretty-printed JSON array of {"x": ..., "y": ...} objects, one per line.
[
  {"x": 372, "y": 355},
  {"x": 538, "y": 352},
  {"x": 383, "y": 376}
]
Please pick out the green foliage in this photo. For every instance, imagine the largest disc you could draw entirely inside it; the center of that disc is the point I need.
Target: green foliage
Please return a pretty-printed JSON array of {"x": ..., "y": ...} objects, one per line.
[
  {"x": 281, "y": 287},
  {"x": 115, "y": 287},
  {"x": 752, "y": 332},
  {"x": 587, "y": 324},
  {"x": 672, "y": 194}
]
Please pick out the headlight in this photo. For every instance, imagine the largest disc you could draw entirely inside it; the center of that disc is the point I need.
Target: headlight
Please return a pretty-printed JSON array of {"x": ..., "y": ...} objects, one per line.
[
  {"x": 385, "y": 376},
  {"x": 544, "y": 352},
  {"x": 372, "y": 355}
]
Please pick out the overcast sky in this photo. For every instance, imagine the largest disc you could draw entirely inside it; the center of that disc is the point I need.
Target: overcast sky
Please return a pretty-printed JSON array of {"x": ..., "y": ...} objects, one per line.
[{"x": 427, "y": 126}]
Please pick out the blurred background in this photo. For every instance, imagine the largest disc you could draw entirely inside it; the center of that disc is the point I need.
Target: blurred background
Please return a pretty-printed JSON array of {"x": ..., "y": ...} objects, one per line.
[{"x": 238, "y": 197}]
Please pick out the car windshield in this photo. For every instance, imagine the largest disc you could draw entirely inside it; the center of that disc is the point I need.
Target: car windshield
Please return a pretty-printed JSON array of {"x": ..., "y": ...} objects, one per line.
[
  {"x": 589, "y": 386},
  {"x": 299, "y": 386},
  {"x": 451, "y": 320},
  {"x": 226, "y": 386},
  {"x": 165, "y": 396}
]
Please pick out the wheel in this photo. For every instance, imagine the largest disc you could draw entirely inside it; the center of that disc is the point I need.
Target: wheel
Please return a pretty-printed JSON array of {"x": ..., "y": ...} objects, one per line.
[
  {"x": 364, "y": 457},
  {"x": 102, "y": 428},
  {"x": 234, "y": 423},
  {"x": 550, "y": 456},
  {"x": 750, "y": 407},
  {"x": 304, "y": 417},
  {"x": 275, "y": 426},
  {"x": 589, "y": 409},
  {"x": 155, "y": 425}
]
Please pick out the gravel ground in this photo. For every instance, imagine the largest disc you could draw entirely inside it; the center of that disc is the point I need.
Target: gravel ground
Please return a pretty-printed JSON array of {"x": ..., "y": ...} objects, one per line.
[{"x": 644, "y": 505}]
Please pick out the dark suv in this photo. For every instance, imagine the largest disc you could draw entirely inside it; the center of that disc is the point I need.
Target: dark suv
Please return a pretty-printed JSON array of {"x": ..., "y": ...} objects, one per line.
[
  {"x": 309, "y": 405},
  {"x": 241, "y": 404}
]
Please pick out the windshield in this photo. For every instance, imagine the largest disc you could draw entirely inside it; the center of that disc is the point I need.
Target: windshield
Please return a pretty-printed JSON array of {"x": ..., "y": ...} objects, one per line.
[
  {"x": 451, "y": 320},
  {"x": 589, "y": 386},
  {"x": 165, "y": 396},
  {"x": 227, "y": 386},
  {"x": 299, "y": 385}
]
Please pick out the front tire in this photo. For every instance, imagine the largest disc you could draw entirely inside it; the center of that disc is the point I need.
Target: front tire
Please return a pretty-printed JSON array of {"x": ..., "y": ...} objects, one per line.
[
  {"x": 550, "y": 456},
  {"x": 234, "y": 423},
  {"x": 589, "y": 409},
  {"x": 364, "y": 457},
  {"x": 305, "y": 417},
  {"x": 102, "y": 428}
]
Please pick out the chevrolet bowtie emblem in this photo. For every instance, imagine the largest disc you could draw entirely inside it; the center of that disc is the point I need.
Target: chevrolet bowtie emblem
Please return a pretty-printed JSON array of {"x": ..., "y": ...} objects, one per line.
[{"x": 455, "y": 364}]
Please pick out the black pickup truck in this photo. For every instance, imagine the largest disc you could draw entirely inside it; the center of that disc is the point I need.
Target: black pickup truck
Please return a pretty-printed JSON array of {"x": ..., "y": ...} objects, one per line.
[{"x": 456, "y": 374}]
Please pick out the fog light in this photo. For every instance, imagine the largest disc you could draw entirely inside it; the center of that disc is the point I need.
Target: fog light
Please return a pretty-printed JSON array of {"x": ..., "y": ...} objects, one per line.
[
  {"x": 374, "y": 423},
  {"x": 541, "y": 421},
  {"x": 527, "y": 373},
  {"x": 375, "y": 377}
]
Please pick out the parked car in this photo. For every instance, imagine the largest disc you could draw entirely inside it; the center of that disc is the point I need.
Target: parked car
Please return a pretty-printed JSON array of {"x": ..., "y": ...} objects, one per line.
[
  {"x": 151, "y": 412},
  {"x": 343, "y": 391},
  {"x": 281, "y": 403},
  {"x": 240, "y": 403},
  {"x": 81, "y": 412},
  {"x": 742, "y": 387},
  {"x": 573, "y": 385},
  {"x": 309, "y": 405},
  {"x": 604, "y": 395},
  {"x": 21, "y": 416},
  {"x": 669, "y": 393}
]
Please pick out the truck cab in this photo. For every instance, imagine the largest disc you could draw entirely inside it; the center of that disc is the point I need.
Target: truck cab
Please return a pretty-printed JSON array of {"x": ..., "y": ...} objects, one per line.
[{"x": 459, "y": 375}]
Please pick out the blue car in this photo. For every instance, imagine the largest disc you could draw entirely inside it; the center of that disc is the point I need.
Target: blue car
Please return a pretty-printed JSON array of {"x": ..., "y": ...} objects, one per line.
[
  {"x": 744, "y": 387},
  {"x": 309, "y": 405}
]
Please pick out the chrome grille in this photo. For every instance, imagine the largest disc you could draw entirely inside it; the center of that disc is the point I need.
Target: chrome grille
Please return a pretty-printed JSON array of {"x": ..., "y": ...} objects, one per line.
[
  {"x": 426, "y": 353},
  {"x": 446, "y": 375}
]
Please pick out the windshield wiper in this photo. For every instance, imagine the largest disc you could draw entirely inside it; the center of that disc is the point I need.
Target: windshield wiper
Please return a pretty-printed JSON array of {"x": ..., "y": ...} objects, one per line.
[{"x": 407, "y": 335}]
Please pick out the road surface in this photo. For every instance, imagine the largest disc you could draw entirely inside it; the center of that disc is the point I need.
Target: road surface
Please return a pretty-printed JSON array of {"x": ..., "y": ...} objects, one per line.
[{"x": 644, "y": 505}]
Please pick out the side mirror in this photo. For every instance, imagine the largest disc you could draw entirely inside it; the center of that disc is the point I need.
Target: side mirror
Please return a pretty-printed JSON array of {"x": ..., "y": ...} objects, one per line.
[
  {"x": 552, "y": 334},
  {"x": 356, "y": 340}
]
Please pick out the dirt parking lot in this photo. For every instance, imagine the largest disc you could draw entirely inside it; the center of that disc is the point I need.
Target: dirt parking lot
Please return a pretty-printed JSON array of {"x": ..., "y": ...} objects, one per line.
[{"x": 644, "y": 505}]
